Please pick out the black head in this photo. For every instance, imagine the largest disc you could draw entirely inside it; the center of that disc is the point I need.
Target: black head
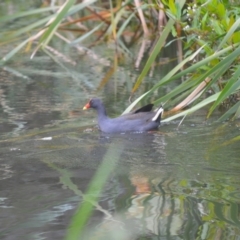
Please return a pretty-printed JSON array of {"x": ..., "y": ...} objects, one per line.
[{"x": 93, "y": 103}]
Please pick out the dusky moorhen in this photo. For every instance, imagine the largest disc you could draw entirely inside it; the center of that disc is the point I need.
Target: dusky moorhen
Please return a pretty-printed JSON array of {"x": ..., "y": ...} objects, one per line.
[{"x": 141, "y": 120}]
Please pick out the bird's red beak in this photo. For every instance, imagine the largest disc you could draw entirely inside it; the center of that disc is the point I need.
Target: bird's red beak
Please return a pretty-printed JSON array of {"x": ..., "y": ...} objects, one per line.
[{"x": 86, "y": 106}]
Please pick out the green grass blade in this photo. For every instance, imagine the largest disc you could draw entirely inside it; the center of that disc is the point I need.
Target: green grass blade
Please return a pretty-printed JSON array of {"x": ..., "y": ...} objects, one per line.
[
  {"x": 237, "y": 114},
  {"x": 194, "y": 108},
  {"x": 124, "y": 25},
  {"x": 29, "y": 27},
  {"x": 130, "y": 107},
  {"x": 194, "y": 81},
  {"x": 167, "y": 77},
  {"x": 44, "y": 20},
  {"x": 76, "y": 8},
  {"x": 230, "y": 112},
  {"x": 229, "y": 89},
  {"x": 219, "y": 69},
  {"x": 14, "y": 51},
  {"x": 46, "y": 37},
  {"x": 154, "y": 53},
  {"x": 84, "y": 212},
  {"x": 215, "y": 72},
  {"x": 163, "y": 80},
  {"x": 189, "y": 84},
  {"x": 230, "y": 33},
  {"x": 204, "y": 61},
  {"x": 125, "y": 48},
  {"x": 78, "y": 40},
  {"x": 27, "y": 13}
]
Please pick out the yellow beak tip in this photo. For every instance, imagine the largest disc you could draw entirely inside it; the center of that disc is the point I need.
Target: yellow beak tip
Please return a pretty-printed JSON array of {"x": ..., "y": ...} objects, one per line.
[{"x": 84, "y": 108}]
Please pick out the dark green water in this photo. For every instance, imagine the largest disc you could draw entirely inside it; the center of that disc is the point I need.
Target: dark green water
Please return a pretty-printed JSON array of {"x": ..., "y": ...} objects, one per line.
[
  {"x": 171, "y": 184},
  {"x": 175, "y": 183}
]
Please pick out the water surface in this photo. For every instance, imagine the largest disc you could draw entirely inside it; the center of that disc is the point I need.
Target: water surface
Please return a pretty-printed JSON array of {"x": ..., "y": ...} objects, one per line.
[{"x": 173, "y": 184}]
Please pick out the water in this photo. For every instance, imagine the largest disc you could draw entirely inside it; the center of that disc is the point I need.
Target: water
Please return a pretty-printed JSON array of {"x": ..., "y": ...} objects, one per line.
[
  {"x": 170, "y": 184},
  {"x": 176, "y": 183}
]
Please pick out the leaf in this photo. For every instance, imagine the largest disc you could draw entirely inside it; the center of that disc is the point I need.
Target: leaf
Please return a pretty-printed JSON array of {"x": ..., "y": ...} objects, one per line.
[
  {"x": 221, "y": 11},
  {"x": 164, "y": 80},
  {"x": 129, "y": 108},
  {"x": 96, "y": 185},
  {"x": 14, "y": 51},
  {"x": 46, "y": 37},
  {"x": 196, "y": 93},
  {"x": 76, "y": 8},
  {"x": 124, "y": 25},
  {"x": 229, "y": 33},
  {"x": 230, "y": 112},
  {"x": 204, "y": 21},
  {"x": 80, "y": 39},
  {"x": 27, "y": 13},
  {"x": 229, "y": 89},
  {"x": 204, "y": 61},
  {"x": 30, "y": 27},
  {"x": 179, "y": 6},
  {"x": 236, "y": 37},
  {"x": 237, "y": 114},
  {"x": 217, "y": 27},
  {"x": 194, "y": 108},
  {"x": 154, "y": 53},
  {"x": 172, "y": 7},
  {"x": 188, "y": 84}
]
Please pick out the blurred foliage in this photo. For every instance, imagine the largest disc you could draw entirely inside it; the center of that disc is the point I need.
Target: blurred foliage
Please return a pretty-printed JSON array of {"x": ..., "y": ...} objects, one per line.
[{"x": 214, "y": 72}]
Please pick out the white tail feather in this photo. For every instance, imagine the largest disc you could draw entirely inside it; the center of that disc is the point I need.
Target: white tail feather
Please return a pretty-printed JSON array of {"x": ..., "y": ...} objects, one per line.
[{"x": 159, "y": 111}]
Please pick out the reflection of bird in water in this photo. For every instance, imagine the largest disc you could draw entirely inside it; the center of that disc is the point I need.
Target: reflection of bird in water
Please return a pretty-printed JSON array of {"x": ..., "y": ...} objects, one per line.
[{"x": 153, "y": 205}]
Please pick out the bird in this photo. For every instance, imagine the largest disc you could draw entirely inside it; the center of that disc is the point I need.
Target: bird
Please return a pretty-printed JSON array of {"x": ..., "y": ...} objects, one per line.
[{"x": 140, "y": 120}]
